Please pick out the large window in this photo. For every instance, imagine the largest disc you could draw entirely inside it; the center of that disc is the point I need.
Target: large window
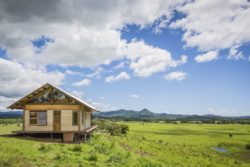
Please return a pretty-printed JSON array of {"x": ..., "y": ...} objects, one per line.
[
  {"x": 75, "y": 118},
  {"x": 38, "y": 118}
]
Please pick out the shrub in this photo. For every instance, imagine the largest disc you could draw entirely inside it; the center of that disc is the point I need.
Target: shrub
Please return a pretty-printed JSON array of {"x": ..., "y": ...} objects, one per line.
[
  {"x": 117, "y": 158},
  {"x": 101, "y": 148},
  {"x": 92, "y": 157},
  {"x": 44, "y": 147},
  {"x": 124, "y": 128},
  {"x": 115, "y": 129},
  {"x": 77, "y": 148},
  {"x": 58, "y": 157},
  {"x": 247, "y": 146}
]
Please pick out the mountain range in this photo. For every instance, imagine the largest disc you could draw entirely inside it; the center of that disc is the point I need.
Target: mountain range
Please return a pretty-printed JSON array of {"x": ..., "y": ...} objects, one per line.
[{"x": 146, "y": 114}]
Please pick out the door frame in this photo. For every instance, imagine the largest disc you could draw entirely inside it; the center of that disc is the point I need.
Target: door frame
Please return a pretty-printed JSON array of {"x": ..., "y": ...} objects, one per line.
[{"x": 54, "y": 129}]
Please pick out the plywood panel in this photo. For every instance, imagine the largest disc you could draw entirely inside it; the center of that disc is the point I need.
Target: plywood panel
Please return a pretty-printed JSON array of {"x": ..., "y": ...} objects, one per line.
[
  {"x": 51, "y": 107},
  {"x": 66, "y": 121}
]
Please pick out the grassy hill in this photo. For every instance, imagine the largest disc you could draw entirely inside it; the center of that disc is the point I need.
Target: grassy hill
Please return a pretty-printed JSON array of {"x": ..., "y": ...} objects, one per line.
[{"x": 146, "y": 145}]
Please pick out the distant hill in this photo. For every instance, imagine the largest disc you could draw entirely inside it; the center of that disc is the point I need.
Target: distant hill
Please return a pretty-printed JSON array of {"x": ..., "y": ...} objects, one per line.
[
  {"x": 11, "y": 114},
  {"x": 145, "y": 114}
]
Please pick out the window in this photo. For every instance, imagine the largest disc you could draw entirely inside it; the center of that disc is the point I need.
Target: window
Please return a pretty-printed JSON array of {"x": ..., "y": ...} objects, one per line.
[
  {"x": 75, "y": 118},
  {"x": 38, "y": 118}
]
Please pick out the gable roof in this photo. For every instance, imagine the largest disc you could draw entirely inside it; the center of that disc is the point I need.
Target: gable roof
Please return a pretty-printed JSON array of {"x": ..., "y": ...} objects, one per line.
[{"x": 19, "y": 104}]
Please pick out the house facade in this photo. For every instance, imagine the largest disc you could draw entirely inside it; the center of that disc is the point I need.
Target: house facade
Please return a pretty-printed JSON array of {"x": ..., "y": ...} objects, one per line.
[{"x": 51, "y": 110}]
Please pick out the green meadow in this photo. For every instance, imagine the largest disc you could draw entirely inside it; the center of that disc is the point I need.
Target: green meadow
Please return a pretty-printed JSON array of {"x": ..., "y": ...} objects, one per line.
[{"x": 145, "y": 145}]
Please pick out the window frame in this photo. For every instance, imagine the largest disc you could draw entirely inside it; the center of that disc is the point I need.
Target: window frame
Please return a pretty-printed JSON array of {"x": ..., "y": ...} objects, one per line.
[
  {"x": 77, "y": 119},
  {"x": 36, "y": 117}
]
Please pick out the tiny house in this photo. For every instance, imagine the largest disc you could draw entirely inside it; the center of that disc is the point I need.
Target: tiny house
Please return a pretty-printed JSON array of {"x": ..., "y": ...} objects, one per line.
[{"x": 51, "y": 110}]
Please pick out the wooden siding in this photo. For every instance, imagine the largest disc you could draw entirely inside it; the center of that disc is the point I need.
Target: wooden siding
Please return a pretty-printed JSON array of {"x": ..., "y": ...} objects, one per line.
[
  {"x": 66, "y": 121},
  {"x": 51, "y": 107},
  {"x": 87, "y": 120},
  {"x": 48, "y": 127}
]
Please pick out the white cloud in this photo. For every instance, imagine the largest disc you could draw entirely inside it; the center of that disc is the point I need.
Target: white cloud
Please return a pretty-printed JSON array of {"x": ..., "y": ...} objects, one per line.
[
  {"x": 206, "y": 57},
  {"x": 121, "y": 76},
  {"x": 96, "y": 73},
  {"x": 78, "y": 22},
  {"x": 235, "y": 54},
  {"x": 70, "y": 72},
  {"x": 208, "y": 28},
  {"x": 101, "y": 106},
  {"x": 17, "y": 80},
  {"x": 78, "y": 94},
  {"x": 177, "y": 75},
  {"x": 84, "y": 82},
  {"x": 134, "y": 96},
  {"x": 147, "y": 60},
  {"x": 120, "y": 65}
]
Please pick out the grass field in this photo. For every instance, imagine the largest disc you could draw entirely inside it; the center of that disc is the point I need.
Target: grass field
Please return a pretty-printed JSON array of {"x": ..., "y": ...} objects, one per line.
[{"x": 146, "y": 144}]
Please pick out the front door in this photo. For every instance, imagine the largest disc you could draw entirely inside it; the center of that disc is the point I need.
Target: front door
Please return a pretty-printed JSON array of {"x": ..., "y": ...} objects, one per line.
[{"x": 57, "y": 120}]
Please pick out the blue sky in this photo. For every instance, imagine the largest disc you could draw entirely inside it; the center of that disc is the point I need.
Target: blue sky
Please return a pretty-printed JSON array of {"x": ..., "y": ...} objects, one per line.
[{"x": 175, "y": 57}]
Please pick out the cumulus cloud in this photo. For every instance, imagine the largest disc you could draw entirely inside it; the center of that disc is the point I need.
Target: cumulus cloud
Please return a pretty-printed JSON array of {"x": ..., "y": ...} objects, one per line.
[
  {"x": 208, "y": 28},
  {"x": 75, "y": 28},
  {"x": 17, "y": 80},
  {"x": 84, "y": 82},
  {"x": 121, "y": 76},
  {"x": 147, "y": 60},
  {"x": 177, "y": 75},
  {"x": 206, "y": 57}
]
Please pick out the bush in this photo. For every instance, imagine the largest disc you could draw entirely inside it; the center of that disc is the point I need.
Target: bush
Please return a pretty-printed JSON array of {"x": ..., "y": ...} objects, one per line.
[
  {"x": 117, "y": 158},
  {"x": 247, "y": 146},
  {"x": 124, "y": 128},
  {"x": 115, "y": 129},
  {"x": 77, "y": 148},
  {"x": 101, "y": 148},
  {"x": 92, "y": 157},
  {"x": 44, "y": 147}
]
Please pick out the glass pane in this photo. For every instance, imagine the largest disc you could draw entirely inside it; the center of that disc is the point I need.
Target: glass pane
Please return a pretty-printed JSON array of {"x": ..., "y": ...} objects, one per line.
[
  {"x": 75, "y": 119},
  {"x": 42, "y": 118}
]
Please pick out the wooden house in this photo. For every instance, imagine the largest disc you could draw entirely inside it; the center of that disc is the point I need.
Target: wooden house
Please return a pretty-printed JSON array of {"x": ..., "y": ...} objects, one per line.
[{"x": 52, "y": 110}]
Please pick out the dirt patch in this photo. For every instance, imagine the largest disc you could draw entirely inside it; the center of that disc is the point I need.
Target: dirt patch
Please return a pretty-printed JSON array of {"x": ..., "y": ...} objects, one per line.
[{"x": 143, "y": 153}]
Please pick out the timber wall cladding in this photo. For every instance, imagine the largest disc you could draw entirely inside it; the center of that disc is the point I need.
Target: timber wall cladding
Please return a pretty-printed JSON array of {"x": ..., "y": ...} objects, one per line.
[
  {"x": 48, "y": 127},
  {"x": 66, "y": 121}
]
